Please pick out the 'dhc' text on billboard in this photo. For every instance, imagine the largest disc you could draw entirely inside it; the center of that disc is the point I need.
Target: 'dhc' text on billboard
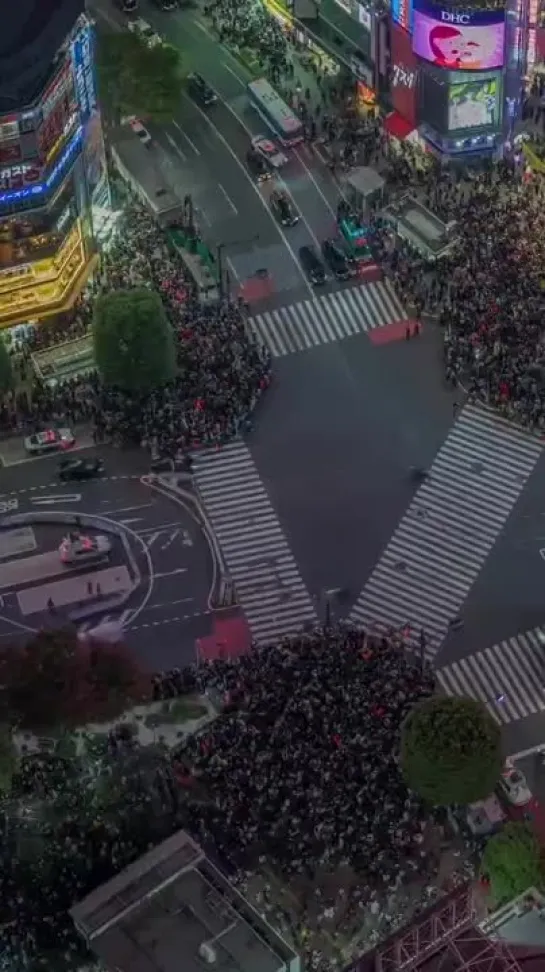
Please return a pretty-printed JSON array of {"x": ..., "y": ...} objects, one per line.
[{"x": 404, "y": 74}]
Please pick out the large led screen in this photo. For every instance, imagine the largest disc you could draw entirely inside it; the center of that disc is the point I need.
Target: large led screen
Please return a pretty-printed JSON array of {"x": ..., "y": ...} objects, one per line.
[
  {"x": 404, "y": 74},
  {"x": 459, "y": 40},
  {"x": 474, "y": 103}
]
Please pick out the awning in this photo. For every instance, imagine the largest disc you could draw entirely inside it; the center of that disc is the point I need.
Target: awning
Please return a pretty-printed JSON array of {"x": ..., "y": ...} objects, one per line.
[{"x": 395, "y": 125}]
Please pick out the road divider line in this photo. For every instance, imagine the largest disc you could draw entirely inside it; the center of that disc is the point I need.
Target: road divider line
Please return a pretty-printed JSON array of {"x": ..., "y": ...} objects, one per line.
[
  {"x": 319, "y": 190},
  {"x": 187, "y": 138},
  {"x": 53, "y": 500},
  {"x": 173, "y": 144},
  {"x": 227, "y": 197},
  {"x": 231, "y": 268},
  {"x": 237, "y": 77},
  {"x": 234, "y": 155}
]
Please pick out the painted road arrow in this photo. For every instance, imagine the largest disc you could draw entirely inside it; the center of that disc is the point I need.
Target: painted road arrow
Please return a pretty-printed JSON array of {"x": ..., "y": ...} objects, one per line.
[{"x": 53, "y": 500}]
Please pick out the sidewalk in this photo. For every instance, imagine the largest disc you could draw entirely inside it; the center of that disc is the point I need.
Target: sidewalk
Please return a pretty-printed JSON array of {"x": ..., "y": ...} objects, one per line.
[{"x": 78, "y": 591}]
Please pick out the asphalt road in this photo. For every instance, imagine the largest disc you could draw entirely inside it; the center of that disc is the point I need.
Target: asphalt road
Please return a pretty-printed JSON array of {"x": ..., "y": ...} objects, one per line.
[{"x": 170, "y": 609}]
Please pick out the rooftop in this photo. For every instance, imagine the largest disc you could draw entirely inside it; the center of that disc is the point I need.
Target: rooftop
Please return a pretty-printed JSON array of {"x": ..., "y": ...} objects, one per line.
[{"x": 174, "y": 902}]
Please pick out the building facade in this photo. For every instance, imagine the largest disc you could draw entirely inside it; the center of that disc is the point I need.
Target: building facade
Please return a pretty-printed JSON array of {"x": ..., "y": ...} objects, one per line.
[{"x": 52, "y": 175}]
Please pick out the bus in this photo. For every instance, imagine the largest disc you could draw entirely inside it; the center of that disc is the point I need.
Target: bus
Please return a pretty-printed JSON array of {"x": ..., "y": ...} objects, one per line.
[{"x": 278, "y": 116}]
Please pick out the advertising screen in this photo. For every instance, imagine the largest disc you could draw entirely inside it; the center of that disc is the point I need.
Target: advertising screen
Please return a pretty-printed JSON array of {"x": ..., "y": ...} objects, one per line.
[
  {"x": 58, "y": 110},
  {"x": 474, "y": 103},
  {"x": 404, "y": 74},
  {"x": 84, "y": 72},
  {"x": 459, "y": 40},
  {"x": 402, "y": 13}
]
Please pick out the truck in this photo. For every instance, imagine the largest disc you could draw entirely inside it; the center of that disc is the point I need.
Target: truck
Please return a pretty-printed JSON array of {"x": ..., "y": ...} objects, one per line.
[{"x": 139, "y": 166}]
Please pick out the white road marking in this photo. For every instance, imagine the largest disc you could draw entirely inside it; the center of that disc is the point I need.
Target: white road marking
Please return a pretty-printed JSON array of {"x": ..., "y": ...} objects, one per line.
[
  {"x": 159, "y": 528},
  {"x": 130, "y": 509},
  {"x": 133, "y": 519},
  {"x": 54, "y": 500},
  {"x": 204, "y": 29},
  {"x": 234, "y": 155},
  {"x": 150, "y": 538},
  {"x": 168, "y": 543},
  {"x": 227, "y": 197},
  {"x": 243, "y": 83},
  {"x": 182, "y": 600},
  {"x": 175, "y": 146},
  {"x": 315, "y": 183},
  {"x": 231, "y": 268},
  {"x": 187, "y": 138},
  {"x": 170, "y": 573}
]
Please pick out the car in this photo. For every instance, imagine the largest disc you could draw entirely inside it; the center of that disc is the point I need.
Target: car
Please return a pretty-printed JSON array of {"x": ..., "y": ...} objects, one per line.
[
  {"x": 200, "y": 90},
  {"x": 335, "y": 258},
  {"x": 145, "y": 32},
  {"x": 51, "y": 440},
  {"x": 312, "y": 266},
  {"x": 78, "y": 549},
  {"x": 267, "y": 148},
  {"x": 258, "y": 166},
  {"x": 80, "y": 469},
  {"x": 283, "y": 208},
  {"x": 513, "y": 786},
  {"x": 166, "y": 4},
  {"x": 138, "y": 128}
]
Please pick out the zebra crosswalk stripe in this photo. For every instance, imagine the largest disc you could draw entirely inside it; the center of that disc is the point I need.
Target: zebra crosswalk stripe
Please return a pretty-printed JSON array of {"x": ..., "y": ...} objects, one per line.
[
  {"x": 331, "y": 317},
  {"x": 434, "y": 557},
  {"x": 508, "y": 677},
  {"x": 267, "y": 581}
]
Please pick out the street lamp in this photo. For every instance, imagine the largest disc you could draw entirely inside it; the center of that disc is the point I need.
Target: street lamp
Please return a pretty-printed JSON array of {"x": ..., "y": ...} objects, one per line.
[{"x": 222, "y": 277}]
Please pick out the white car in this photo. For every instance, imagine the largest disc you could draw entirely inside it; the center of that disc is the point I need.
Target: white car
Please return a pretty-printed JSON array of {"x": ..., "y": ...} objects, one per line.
[
  {"x": 77, "y": 549},
  {"x": 138, "y": 128},
  {"x": 145, "y": 32},
  {"x": 51, "y": 440},
  {"x": 514, "y": 786},
  {"x": 269, "y": 150}
]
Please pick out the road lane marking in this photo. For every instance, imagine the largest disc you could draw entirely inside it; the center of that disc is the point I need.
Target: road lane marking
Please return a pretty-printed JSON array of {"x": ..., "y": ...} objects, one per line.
[
  {"x": 234, "y": 155},
  {"x": 131, "y": 509},
  {"x": 175, "y": 146},
  {"x": 132, "y": 519},
  {"x": 204, "y": 29},
  {"x": 170, "y": 573},
  {"x": 231, "y": 268},
  {"x": 187, "y": 138},
  {"x": 159, "y": 528},
  {"x": 168, "y": 543},
  {"x": 167, "y": 604},
  {"x": 314, "y": 182},
  {"x": 53, "y": 500},
  {"x": 236, "y": 76},
  {"x": 227, "y": 197}
]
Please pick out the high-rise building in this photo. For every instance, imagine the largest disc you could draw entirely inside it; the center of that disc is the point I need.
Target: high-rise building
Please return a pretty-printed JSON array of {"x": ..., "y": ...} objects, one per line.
[{"x": 52, "y": 160}]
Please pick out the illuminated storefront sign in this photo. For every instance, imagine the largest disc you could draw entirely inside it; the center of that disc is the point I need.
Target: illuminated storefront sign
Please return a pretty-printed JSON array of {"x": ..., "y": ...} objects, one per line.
[
  {"x": 402, "y": 13},
  {"x": 84, "y": 74},
  {"x": 59, "y": 169},
  {"x": 531, "y": 52},
  {"x": 58, "y": 115},
  {"x": 459, "y": 40},
  {"x": 404, "y": 76},
  {"x": 18, "y": 176}
]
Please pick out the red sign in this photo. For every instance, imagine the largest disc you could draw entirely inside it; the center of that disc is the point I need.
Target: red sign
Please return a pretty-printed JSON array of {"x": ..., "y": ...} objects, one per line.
[
  {"x": 19, "y": 176},
  {"x": 540, "y": 43},
  {"x": 404, "y": 74}
]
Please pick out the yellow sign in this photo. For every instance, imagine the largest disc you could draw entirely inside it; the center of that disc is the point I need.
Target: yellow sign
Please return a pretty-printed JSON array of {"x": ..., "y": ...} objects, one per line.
[
  {"x": 532, "y": 158},
  {"x": 48, "y": 286},
  {"x": 279, "y": 11}
]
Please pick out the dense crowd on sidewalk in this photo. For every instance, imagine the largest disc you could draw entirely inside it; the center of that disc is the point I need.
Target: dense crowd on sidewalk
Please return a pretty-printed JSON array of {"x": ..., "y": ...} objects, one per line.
[
  {"x": 222, "y": 372},
  {"x": 297, "y": 778}
]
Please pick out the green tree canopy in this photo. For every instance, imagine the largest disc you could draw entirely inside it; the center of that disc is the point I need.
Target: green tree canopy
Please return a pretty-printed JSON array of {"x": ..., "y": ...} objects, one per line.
[
  {"x": 133, "y": 340},
  {"x": 6, "y": 370},
  {"x": 451, "y": 751},
  {"x": 135, "y": 79},
  {"x": 512, "y": 862},
  {"x": 8, "y": 760}
]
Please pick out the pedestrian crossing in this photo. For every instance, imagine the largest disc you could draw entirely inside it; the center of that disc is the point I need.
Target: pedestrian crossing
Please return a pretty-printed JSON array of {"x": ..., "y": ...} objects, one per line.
[
  {"x": 434, "y": 557},
  {"x": 323, "y": 320},
  {"x": 268, "y": 584},
  {"x": 509, "y": 677}
]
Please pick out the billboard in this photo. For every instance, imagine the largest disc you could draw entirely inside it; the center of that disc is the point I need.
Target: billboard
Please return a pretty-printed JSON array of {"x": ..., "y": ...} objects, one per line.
[
  {"x": 84, "y": 72},
  {"x": 459, "y": 41},
  {"x": 404, "y": 74},
  {"x": 58, "y": 115},
  {"x": 402, "y": 13},
  {"x": 474, "y": 103}
]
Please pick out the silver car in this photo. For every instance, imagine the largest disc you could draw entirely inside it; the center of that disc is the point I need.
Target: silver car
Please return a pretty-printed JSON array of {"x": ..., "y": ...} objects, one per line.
[
  {"x": 51, "y": 440},
  {"x": 77, "y": 549}
]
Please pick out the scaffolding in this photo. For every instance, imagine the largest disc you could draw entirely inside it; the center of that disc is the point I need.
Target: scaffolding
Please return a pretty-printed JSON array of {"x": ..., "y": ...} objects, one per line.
[{"x": 444, "y": 939}]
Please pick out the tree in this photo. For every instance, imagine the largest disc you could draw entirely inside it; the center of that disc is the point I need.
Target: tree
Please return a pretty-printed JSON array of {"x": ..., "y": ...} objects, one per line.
[
  {"x": 6, "y": 370},
  {"x": 133, "y": 340},
  {"x": 56, "y": 681},
  {"x": 451, "y": 750},
  {"x": 8, "y": 760},
  {"x": 135, "y": 79},
  {"x": 512, "y": 862}
]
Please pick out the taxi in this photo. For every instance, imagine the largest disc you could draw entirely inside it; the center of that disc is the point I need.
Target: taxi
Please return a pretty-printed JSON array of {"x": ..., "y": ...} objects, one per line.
[{"x": 50, "y": 440}]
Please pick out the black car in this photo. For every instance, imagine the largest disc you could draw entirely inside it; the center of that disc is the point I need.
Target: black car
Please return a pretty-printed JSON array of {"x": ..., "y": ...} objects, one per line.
[
  {"x": 80, "y": 469},
  {"x": 166, "y": 4},
  {"x": 258, "y": 166},
  {"x": 282, "y": 208},
  {"x": 200, "y": 90},
  {"x": 312, "y": 266},
  {"x": 335, "y": 258}
]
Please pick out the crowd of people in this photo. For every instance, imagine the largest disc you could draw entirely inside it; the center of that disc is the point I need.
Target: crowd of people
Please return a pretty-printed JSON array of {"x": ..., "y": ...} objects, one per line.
[
  {"x": 222, "y": 371},
  {"x": 296, "y": 783}
]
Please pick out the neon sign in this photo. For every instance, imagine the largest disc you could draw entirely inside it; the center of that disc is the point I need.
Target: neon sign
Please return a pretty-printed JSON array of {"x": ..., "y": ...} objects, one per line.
[{"x": 57, "y": 170}]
